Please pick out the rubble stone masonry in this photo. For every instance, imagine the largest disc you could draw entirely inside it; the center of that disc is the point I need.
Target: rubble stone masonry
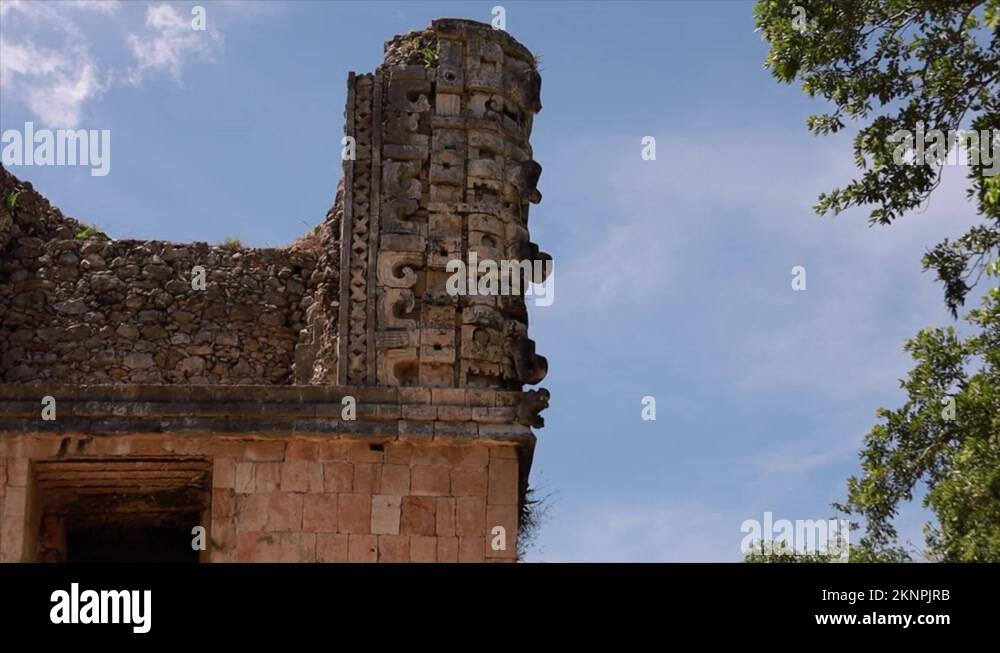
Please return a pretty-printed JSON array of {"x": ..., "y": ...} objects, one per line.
[{"x": 130, "y": 391}]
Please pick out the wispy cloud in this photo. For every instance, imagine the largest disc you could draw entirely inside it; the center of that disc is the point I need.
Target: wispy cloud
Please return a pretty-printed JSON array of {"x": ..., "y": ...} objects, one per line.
[
  {"x": 690, "y": 257},
  {"x": 631, "y": 532},
  {"x": 169, "y": 41},
  {"x": 100, "y": 6},
  {"x": 54, "y": 81},
  {"x": 800, "y": 459},
  {"x": 47, "y": 49}
]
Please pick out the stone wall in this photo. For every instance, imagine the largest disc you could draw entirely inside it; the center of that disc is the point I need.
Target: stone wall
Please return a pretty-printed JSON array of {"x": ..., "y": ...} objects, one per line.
[
  {"x": 167, "y": 399},
  {"x": 77, "y": 307},
  {"x": 419, "y": 476},
  {"x": 299, "y": 500},
  {"x": 442, "y": 172}
]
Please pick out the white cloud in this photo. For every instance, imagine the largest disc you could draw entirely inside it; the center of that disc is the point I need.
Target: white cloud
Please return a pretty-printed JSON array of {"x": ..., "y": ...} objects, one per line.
[
  {"x": 711, "y": 232},
  {"x": 691, "y": 257},
  {"x": 100, "y": 6},
  {"x": 169, "y": 41},
  {"x": 47, "y": 59},
  {"x": 790, "y": 461},
  {"x": 54, "y": 82}
]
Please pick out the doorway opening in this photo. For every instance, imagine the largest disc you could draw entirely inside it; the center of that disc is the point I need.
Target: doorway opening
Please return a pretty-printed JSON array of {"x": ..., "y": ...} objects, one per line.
[{"x": 139, "y": 509}]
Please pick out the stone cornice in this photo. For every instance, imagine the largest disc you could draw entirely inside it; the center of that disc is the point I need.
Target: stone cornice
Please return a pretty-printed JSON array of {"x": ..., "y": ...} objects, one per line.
[{"x": 382, "y": 413}]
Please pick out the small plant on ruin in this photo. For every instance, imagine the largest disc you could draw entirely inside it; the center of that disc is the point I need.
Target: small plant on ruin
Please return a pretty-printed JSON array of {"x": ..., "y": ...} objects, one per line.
[
  {"x": 534, "y": 513},
  {"x": 12, "y": 199},
  {"x": 89, "y": 231},
  {"x": 232, "y": 243},
  {"x": 430, "y": 56}
]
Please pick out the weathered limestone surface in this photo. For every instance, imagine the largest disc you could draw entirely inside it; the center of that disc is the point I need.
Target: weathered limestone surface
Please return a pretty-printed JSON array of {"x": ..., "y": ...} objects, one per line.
[
  {"x": 228, "y": 401},
  {"x": 443, "y": 168},
  {"x": 277, "y": 499},
  {"x": 95, "y": 311}
]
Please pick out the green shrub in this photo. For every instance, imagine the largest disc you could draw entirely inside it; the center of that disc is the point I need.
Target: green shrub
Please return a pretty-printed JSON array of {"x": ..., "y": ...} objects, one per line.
[{"x": 89, "y": 231}]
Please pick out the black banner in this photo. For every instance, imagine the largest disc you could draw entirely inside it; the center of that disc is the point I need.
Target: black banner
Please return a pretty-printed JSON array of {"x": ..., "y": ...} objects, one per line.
[{"x": 78, "y": 602}]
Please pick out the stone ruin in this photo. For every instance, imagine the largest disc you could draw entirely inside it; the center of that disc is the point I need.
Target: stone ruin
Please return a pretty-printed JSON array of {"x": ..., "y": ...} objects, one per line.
[{"x": 136, "y": 406}]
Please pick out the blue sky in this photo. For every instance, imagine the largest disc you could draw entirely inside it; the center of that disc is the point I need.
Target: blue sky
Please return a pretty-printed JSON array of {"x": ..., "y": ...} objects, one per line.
[{"x": 673, "y": 277}]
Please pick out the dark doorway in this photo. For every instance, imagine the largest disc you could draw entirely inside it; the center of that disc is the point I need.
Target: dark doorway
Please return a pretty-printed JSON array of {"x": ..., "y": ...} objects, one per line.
[
  {"x": 131, "y": 538},
  {"x": 127, "y": 509}
]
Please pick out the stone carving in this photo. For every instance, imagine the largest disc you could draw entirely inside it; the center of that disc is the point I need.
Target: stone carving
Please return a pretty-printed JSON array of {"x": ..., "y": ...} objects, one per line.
[
  {"x": 443, "y": 170},
  {"x": 530, "y": 407},
  {"x": 355, "y": 248},
  {"x": 457, "y": 175}
]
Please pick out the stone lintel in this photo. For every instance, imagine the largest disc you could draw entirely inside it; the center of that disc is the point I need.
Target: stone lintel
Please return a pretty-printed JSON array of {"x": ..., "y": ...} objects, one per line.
[{"x": 380, "y": 413}]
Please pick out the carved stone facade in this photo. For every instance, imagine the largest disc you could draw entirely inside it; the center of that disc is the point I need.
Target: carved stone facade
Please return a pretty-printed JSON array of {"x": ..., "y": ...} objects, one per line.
[
  {"x": 443, "y": 168},
  {"x": 223, "y": 406}
]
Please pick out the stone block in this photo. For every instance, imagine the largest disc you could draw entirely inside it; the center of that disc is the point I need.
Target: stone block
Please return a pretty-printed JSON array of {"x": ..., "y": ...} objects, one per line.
[
  {"x": 284, "y": 512},
  {"x": 362, "y": 452},
  {"x": 338, "y": 476},
  {"x": 256, "y": 546},
  {"x": 265, "y": 450},
  {"x": 331, "y": 547},
  {"x": 302, "y": 450},
  {"x": 362, "y": 548},
  {"x": 469, "y": 482},
  {"x": 414, "y": 395},
  {"x": 503, "y": 488},
  {"x": 267, "y": 477},
  {"x": 423, "y": 549},
  {"x": 366, "y": 477},
  {"x": 319, "y": 513},
  {"x": 385, "y": 514},
  {"x": 17, "y": 472},
  {"x": 445, "y": 517},
  {"x": 245, "y": 477},
  {"x": 448, "y": 396},
  {"x": 394, "y": 479},
  {"x": 223, "y": 503},
  {"x": 297, "y": 547},
  {"x": 418, "y": 516},
  {"x": 470, "y": 516},
  {"x": 420, "y": 412},
  {"x": 14, "y": 502},
  {"x": 354, "y": 513},
  {"x": 251, "y": 512},
  {"x": 447, "y": 549},
  {"x": 393, "y": 548},
  {"x": 429, "y": 481},
  {"x": 414, "y": 430},
  {"x": 302, "y": 476},
  {"x": 470, "y": 549}
]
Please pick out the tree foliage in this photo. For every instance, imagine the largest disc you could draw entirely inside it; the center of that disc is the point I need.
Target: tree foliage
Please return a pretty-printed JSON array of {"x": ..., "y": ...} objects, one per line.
[
  {"x": 892, "y": 66},
  {"x": 946, "y": 436}
]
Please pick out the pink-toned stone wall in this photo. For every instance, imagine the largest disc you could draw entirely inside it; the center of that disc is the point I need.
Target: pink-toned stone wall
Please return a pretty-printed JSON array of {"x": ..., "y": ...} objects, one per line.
[{"x": 307, "y": 500}]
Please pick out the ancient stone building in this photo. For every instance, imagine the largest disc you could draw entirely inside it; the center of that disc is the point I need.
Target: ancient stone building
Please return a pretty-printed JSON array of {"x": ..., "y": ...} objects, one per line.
[{"x": 150, "y": 388}]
